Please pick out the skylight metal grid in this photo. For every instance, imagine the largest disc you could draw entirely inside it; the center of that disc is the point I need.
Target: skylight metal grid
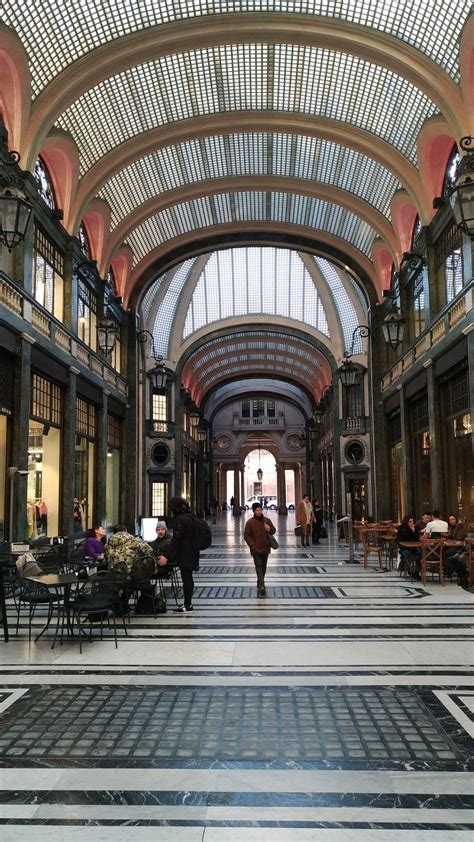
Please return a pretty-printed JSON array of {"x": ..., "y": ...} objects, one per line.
[
  {"x": 283, "y": 155},
  {"x": 345, "y": 308},
  {"x": 258, "y": 206},
  {"x": 255, "y": 281},
  {"x": 242, "y": 77},
  {"x": 66, "y": 31},
  {"x": 166, "y": 310}
]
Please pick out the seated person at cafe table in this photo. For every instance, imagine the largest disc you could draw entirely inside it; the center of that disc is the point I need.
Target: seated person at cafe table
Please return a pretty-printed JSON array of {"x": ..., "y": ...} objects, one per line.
[
  {"x": 160, "y": 546},
  {"x": 410, "y": 556},
  {"x": 436, "y": 528},
  {"x": 123, "y": 547},
  {"x": 424, "y": 519},
  {"x": 95, "y": 543}
]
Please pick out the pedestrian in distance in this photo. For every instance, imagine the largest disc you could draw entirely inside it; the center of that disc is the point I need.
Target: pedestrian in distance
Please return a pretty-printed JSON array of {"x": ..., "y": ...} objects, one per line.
[
  {"x": 256, "y": 532},
  {"x": 305, "y": 518}
]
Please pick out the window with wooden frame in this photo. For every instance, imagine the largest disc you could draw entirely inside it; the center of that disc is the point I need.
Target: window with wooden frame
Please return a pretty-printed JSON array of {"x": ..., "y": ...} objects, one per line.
[{"x": 48, "y": 274}]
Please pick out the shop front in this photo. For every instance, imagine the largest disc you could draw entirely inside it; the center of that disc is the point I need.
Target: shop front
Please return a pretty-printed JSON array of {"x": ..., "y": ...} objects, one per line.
[{"x": 44, "y": 459}]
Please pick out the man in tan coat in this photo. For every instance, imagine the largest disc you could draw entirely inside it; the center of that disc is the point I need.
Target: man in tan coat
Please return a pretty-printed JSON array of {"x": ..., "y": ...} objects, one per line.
[{"x": 305, "y": 519}]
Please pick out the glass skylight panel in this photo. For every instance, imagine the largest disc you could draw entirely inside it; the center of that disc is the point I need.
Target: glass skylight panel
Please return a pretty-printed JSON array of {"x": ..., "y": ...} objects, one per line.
[
  {"x": 255, "y": 280},
  {"x": 166, "y": 310},
  {"x": 344, "y": 306},
  {"x": 65, "y": 31}
]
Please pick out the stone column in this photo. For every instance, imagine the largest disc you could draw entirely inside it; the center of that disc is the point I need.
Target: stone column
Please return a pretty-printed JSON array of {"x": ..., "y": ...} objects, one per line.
[
  {"x": 178, "y": 441},
  {"x": 132, "y": 467},
  {"x": 242, "y": 485},
  {"x": 19, "y": 451},
  {"x": 69, "y": 451},
  {"x": 281, "y": 490},
  {"x": 236, "y": 510},
  {"x": 470, "y": 360}
]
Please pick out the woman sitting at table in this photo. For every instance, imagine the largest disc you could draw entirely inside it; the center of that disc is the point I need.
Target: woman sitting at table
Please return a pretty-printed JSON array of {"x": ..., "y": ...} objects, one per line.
[
  {"x": 94, "y": 546},
  {"x": 410, "y": 556}
]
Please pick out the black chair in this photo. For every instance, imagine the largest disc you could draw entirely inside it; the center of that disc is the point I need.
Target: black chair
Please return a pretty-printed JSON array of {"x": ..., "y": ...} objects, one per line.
[
  {"x": 35, "y": 595},
  {"x": 96, "y": 601},
  {"x": 51, "y": 561},
  {"x": 144, "y": 580}
]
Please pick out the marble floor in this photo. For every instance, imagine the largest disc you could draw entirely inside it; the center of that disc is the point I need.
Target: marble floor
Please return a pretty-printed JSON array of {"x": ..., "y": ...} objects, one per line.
[{"x": 338, "y": 709}]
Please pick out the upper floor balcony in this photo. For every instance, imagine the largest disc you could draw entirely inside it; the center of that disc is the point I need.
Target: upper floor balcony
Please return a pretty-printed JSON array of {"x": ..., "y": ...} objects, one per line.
[{"x": 262, "y": 422}]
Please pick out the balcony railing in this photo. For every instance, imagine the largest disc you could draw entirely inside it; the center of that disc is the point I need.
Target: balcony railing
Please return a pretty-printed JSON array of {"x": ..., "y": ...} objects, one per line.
[
  {"x": 450, "y": 316},
  {"x": 264, "y": 421},
  {"x": 23, "y": 305}
]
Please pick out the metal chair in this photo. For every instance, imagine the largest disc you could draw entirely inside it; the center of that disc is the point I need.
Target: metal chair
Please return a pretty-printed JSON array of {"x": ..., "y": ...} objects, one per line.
[
  {"x": 432, "y": 558},
  {"x": 34, "y": 595},
  {"x": 97, "y": 600},
  {"x": 143, "y": 579}
]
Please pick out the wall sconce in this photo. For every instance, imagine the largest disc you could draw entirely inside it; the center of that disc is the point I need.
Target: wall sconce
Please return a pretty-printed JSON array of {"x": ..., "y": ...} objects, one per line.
[
  {"x": 107, "y": 331},
  {"x": 15, "y": 210},
  {"x": 158, "y": 374},
  {"x": 461, "y": 197}
]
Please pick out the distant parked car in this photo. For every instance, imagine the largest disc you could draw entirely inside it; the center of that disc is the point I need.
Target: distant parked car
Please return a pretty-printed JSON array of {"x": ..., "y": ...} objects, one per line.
[
  {"x": 270, "y": 498},
  {"x": 290, "y": 507}
]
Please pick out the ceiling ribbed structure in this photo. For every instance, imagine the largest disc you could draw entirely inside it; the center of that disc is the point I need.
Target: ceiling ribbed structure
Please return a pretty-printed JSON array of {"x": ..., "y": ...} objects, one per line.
[{"x": 178, "y": 123}]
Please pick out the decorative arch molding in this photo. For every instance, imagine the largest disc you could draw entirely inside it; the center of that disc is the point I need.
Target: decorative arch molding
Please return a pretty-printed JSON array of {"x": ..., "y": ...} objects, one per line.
[
  {"x": 383, "y": 262},
  {"x": 195, "y": 243},
  {"x": 161, "y": 137},
  {"x": 264, "y": 392},
  {"x": 435, "y": 142},
  {"x": 466, "y": 67},
  {"x": 334, "y": 346},
  {"x": 313, "y": 190},
  {"x": 97, "y": 220},
  {"x": 122, "y": 266},
  {"x": 404, "y": 213},
  {"x": 207, "y": 32},
  {"x": 61, "y": 156},
  {"x": 225, "y": 333},
  {"x": 15, "y": 87}
]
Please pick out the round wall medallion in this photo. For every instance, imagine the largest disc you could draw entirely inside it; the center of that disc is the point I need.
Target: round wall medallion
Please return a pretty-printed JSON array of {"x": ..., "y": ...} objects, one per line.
[
  {"x": 294, "y": 441},
  {"x": 160, "y": 454},
  {"x": 224, "y": 442},
  {"x": 355, "y": 452}
]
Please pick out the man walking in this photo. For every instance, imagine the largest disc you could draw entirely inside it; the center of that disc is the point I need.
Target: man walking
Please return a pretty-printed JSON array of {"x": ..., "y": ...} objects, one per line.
[
  {"x": 305, "y": 519},
  {"x": 181, "y": 551},
  {"x": 256, "y": 532}
]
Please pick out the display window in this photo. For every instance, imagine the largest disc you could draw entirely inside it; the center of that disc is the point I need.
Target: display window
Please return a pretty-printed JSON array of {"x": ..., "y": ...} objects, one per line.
[
  {"x": 457, "y": 449},
  {"x": 85, "y": 465},
  {"x": 3, "y": 475},
  {"x": 114, "y": 446},
  {"x": 44, "y": 459}
]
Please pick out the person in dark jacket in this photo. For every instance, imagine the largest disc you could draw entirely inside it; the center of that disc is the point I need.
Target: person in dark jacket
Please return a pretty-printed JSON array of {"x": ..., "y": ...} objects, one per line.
[
  {"x": 410, "y": 556},
  {"x": 318, "y": 520},
  {"x": 181, "y": 550},
  {"x": 257, "y": 530},
  {"x": 160, "y": 546}
]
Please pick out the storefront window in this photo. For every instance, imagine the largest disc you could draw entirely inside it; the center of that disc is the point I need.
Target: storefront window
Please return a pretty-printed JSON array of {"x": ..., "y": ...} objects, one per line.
[
  {"x": 84, "y": 467},
  {"x": 421, "y": 447},
  {"x": 44, "y": 459},
  {"x": 48, "y": 274},
  {"x": 3, "y": 474},
  {"x": 87, "y": 315},
  {"x": 160, "y": 414},
  {"x": 114, "y": 443},
  {"x": 459, "y": 469}
]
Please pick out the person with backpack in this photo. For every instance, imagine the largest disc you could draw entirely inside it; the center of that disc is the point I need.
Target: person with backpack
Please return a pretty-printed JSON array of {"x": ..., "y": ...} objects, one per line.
[{"x": 190, "y": 535}]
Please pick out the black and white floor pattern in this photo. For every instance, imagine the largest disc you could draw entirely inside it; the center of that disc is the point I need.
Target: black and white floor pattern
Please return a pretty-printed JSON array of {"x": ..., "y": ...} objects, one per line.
[{"x": 339, "y": 708}]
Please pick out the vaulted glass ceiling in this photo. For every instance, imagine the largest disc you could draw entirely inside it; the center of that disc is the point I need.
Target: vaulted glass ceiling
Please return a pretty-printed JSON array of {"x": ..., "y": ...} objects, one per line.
[
  {"x": 257, "y": 153},
  {"x": 241, "y": 282},
  {"x": 263, "y": 281},
  {"x": 66, "y": 31},
  {"x": 247, "y": 77},
  {"x": 257, "y": 206}
]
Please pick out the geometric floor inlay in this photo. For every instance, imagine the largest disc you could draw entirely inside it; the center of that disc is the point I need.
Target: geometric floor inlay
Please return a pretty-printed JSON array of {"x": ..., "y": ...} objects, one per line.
[
  {"x": 277, "y": 592},
  {"x": 212, "y": 723}
]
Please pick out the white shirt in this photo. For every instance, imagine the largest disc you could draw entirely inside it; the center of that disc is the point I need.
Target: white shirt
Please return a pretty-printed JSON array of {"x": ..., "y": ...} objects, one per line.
[
  {"x": 309, "y": 511},
  {"x": 436, "y": 526}
]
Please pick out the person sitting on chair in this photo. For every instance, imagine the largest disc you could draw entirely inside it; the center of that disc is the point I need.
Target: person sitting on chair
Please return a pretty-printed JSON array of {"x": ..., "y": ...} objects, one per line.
[{"x": 160, "y": 546}]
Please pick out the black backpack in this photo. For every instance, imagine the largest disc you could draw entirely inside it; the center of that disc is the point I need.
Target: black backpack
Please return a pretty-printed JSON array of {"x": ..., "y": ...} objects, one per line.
[{"x": 202, "y": 536}]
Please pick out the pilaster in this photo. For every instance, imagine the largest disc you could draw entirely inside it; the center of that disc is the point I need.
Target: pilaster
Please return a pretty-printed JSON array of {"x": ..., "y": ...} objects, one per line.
[
  {"x": 101, "y": 456},
  {"x": 22, "y": 400},
  {"x": 68, "y": 453}
]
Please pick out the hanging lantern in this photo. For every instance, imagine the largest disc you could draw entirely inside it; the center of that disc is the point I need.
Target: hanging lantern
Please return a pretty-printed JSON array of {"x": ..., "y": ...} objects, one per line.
[
  {"x": 106, "y": 335},
  {"x": 158, "y": 376},
  {"x": 347, "y": 372},
  {"x": 15, "y": 213},
  {"x": 393, "y": 328},
  {"x": 461, "y": 197}
]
